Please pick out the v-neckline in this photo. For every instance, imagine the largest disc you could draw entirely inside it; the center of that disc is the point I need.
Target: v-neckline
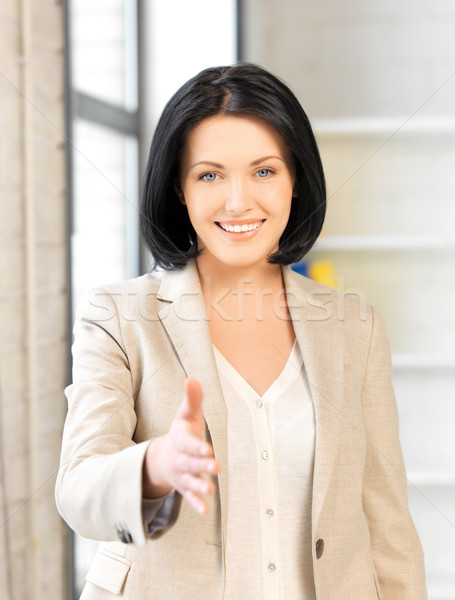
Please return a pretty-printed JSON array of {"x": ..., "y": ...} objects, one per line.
[{"x": 293, "y": 359}]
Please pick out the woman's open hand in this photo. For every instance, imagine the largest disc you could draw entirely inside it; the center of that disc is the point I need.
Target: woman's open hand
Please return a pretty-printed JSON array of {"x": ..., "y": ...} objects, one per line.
[{"x": 182, "y": 459}]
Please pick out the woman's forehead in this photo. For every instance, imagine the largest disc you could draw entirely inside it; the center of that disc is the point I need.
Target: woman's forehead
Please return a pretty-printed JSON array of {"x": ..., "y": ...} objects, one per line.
[{"x": 243, "y": 134}]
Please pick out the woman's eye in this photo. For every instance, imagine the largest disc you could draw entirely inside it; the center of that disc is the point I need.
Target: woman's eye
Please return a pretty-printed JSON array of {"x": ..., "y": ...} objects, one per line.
[
  {"x": 208, "y": 176},
  {"x": 263, "y": 173}
]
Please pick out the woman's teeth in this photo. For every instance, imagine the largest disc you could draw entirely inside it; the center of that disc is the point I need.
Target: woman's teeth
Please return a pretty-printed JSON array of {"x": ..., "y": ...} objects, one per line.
[{"x": 240, "y": 228}]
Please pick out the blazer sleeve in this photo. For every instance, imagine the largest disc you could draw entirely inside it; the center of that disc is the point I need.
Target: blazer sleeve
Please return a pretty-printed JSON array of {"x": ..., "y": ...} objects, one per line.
[
  {"x": 99, "y": 483},
  {"x": 397, "y": 552}
]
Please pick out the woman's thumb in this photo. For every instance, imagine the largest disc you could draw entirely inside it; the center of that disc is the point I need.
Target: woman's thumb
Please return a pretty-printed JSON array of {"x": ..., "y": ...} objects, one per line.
[{"x": 193, "y": 394}]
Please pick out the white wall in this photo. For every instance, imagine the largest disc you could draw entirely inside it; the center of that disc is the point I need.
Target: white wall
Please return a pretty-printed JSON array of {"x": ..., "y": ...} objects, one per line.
[{"x": 358, "y": 57}]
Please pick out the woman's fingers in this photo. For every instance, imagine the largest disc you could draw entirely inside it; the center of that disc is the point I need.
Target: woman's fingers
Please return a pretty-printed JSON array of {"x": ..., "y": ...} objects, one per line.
[
  {"x": 196, "y": 502},
  {"x": 187, "y": 443},
  {"x": 190, "y": 464},
  {"x": 197, "y": 485}
]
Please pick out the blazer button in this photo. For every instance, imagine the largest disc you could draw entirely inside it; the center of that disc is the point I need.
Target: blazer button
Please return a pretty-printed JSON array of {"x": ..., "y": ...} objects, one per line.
[
  {"x": 319, "y": 548},
  {"x": 124, "y": 536}
]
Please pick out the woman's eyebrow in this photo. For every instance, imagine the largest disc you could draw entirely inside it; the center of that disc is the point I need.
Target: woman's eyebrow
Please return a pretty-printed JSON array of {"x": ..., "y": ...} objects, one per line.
[
  {"x": 207, "y": 162},
  {"x": 220, "y": 166},
  {"x": 263, "y": 158}
]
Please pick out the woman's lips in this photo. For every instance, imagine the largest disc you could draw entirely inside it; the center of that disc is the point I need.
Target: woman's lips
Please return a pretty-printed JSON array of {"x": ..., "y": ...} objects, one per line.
[{"x": 240, "y": 229}]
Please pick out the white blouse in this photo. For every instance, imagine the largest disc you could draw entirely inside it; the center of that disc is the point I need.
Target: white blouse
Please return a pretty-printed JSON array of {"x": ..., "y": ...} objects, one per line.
[{"x": 270, "y": 456}]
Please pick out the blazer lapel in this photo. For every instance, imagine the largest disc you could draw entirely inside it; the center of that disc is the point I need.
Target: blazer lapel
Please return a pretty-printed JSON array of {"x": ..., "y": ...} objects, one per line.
[
  {"x": 184, "y": 318},
  {"x": 318, "y": 331}
]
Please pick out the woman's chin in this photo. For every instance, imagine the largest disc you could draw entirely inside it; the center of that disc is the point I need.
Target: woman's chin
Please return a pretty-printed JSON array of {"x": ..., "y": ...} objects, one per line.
[{"x": 233, "y": 260}]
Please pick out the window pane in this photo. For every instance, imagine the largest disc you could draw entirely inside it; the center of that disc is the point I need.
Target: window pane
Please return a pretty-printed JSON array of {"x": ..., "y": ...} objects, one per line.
[
  {"x": 103, "y": 206},
  {"x": 103, "y": 50},
  {"x": 105, "y": 237}
]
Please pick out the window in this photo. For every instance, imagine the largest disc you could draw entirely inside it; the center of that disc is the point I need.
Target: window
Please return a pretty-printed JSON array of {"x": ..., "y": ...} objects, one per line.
[
  {"x": 126, "y": 57},
  {"x": 103, "y": 127}
]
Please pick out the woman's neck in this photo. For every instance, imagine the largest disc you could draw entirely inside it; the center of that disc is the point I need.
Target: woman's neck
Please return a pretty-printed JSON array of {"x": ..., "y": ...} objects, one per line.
[
  {"x": 239, "y": 293},
  {"x": 222, "y": 276}
]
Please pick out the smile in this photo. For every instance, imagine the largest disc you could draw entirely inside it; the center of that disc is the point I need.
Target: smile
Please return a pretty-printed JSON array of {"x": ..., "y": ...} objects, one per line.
[{"x": 240, "y": 228}]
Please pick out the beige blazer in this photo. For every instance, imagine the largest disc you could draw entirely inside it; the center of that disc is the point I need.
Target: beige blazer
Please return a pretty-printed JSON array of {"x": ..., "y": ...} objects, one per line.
[{"x": 135, "y": 343}]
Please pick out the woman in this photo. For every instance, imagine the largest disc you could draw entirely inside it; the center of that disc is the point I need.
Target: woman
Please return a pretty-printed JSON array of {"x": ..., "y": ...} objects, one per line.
[{"x": 279, "y": 474}]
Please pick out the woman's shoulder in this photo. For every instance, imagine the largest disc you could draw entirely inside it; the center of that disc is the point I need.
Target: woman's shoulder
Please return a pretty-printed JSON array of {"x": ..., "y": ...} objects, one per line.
[
  {"x": 123, "y": 297},
  {"x": 148, "y": 282},
  {"x": 324, "y": 302},
  {"x": 346, "y": 312}
]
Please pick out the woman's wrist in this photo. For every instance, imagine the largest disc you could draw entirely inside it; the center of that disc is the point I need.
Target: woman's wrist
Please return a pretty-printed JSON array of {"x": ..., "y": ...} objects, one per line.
[{"x": 154, "y": 485}]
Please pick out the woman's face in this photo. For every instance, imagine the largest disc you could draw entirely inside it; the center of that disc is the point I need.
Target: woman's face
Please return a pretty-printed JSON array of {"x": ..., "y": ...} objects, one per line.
[{"x": 236, "y": 180}]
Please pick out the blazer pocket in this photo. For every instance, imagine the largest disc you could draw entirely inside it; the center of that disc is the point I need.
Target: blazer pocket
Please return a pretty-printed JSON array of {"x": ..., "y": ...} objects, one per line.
[{"x": 108, "y": 571}]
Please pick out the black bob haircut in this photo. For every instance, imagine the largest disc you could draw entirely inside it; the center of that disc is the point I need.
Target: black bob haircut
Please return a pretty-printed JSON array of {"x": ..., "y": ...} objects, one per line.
[{"x": 241, "y": 89}]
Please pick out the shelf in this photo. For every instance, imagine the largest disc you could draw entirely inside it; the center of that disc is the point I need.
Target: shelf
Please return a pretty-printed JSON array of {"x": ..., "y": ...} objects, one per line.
[
  {"x": 420, "y": 478},
  {"x": 441, "y": 591},
  {"x": 382, "y": 242},
  {"x": 422, "y": 361},
  {"x": 383, "y": 126}
]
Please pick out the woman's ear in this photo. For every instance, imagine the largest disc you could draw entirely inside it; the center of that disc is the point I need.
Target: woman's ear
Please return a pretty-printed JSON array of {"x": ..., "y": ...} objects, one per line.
[{"x": 179, "y": 191}]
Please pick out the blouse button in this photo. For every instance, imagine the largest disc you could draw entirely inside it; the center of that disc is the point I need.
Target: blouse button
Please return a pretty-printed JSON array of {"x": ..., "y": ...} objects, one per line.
[
  {"x": 271, "y": 567},
  {"x": 259, "y": 403},
  {"x": 269, "y": 512},
  {"x": 265, "y": 455}
]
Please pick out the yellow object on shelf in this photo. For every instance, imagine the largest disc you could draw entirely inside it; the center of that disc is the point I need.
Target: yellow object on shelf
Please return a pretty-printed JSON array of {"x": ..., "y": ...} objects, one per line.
[{"x": 323, "y": 271}]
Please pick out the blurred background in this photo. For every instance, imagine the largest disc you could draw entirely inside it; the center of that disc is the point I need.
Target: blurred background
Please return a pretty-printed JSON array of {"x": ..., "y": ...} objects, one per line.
[{"x": 82, "y": 85}]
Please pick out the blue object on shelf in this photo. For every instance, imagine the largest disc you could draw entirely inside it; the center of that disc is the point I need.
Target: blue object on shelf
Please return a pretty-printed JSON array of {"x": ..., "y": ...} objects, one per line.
[{"x": 301, "y": 268}]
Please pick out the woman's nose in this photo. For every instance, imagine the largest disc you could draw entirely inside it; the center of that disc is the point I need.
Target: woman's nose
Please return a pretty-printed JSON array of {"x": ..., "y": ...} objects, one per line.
[{"x": 237, "y": 197}]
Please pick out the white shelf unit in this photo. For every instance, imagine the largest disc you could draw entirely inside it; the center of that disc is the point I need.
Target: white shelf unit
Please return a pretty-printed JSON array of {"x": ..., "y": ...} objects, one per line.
[
  {"x": 383, "y": 126},
  {"x": 434, "y": 479},
  {"x": 389, "y": 234},
  {"x": 441, "y": 591},
  {"x": 383, "y": 242},
  {"x": 423, "y": 361}
]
